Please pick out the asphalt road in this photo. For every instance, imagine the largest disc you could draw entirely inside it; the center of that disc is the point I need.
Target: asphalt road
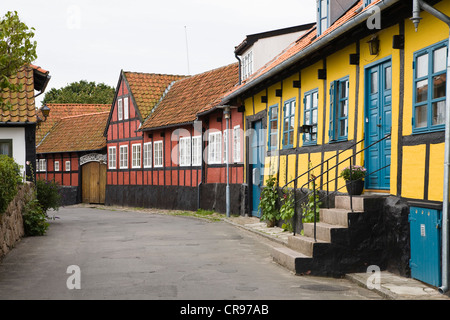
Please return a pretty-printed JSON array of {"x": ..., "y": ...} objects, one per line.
[{"x": 98, "y": 254}]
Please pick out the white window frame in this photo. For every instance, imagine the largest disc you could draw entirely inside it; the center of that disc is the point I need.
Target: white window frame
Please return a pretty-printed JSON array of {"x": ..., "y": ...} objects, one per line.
[
  {"x": 112, "y": 158},
  {"x": 125, "y": 108},
  {"x": 158, "y": 154},
  {"x": 123, "y": 156},
  {"x": 247, "y": 69},
  {"x": 147, "y": 154},
  {"x": 42, "y": 165},
  {"x": 197, "y": 151},
  {"x": 56, "y": 165},
  {"x": 215, "y": 147},
  {"x": 67, "y": 165},
  {"x": 225, "y": 139},
  {"x": 184, "y": 151},
  {"x": 119, "y": 109},
  {"x": 136, "y": 155},
  {"x": 237, "y": 143}
]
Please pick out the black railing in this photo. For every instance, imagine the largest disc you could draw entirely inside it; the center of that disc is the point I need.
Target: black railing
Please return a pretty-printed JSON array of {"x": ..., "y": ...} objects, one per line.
[{"x": 326, "y": 180}]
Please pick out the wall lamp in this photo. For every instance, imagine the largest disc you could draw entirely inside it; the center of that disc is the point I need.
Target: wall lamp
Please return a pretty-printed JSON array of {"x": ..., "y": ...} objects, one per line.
[
  {"x": 374, "y": 46},
  {"x": 306, "y": 128},
  {"x": 45, "y": 110}
]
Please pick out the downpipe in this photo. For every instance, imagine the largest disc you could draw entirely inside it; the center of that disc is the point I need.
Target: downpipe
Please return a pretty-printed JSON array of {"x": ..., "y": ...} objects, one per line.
[{"x": 417, "y": 5}]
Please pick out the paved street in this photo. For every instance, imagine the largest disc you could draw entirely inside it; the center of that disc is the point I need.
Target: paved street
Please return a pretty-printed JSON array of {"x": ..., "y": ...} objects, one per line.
[{"x": 134, "y": 255}]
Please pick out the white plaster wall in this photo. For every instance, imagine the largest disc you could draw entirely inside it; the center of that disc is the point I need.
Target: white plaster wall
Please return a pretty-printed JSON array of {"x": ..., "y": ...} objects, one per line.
[
  {"x": 18, "y": 137},
  {"x": 266, "y": 49}
]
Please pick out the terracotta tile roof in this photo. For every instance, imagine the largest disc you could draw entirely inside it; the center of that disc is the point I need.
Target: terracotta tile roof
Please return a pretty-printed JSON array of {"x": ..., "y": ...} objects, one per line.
[
  {"x": 190, "y": 96},
  {"x": 302, "y": 43},
  {"x": 62, "y": 110},
  {"x": 76, "y": 133},
  {"x": 148, "y": 88},
  {"x": 22, "y": 102}
]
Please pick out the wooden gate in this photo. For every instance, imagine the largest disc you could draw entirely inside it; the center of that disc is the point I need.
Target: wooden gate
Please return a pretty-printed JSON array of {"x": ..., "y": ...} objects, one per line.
[{"x": 93, "y": 182}]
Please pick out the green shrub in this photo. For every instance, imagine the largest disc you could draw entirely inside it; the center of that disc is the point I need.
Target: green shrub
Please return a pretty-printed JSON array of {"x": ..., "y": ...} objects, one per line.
[
  {"x": 34, "y": 219},
  {"x": 269, "y": 202},
  {"x": 10, "y": 178},
  {"x": 47, "y": 193},
  {"x": 287, "y": 209}
]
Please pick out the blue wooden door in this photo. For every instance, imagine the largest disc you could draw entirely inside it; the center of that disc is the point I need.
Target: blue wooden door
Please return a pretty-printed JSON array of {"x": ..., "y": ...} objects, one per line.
[
  {"x": 378, "y": 125},
  {"x": 257, "y": 166},
  {"x": 425, "y": 240}
]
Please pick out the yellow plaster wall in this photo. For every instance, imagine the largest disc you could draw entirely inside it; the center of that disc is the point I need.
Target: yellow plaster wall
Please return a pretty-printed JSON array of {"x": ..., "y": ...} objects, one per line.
[
  {"x": 413, "y": 171},
  {"x": 436, "y": 172}
]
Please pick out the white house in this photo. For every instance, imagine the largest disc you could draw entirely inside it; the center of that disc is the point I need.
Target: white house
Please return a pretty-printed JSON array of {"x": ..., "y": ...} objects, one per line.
[{"x": 18, "y": 118}]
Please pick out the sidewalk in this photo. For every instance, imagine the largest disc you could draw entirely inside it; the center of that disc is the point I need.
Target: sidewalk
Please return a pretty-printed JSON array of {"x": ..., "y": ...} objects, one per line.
[{"x": 392, "y": 287}]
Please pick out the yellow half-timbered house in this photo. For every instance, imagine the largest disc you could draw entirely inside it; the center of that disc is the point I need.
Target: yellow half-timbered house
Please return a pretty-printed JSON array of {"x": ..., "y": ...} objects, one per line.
[{"x": 361, "y": 87}]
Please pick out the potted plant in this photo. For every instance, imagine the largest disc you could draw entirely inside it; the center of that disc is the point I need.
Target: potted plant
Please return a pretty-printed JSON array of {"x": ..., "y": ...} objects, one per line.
[
  {"x": 354, "y": 178},
  {"x": 268, "y": 203}
]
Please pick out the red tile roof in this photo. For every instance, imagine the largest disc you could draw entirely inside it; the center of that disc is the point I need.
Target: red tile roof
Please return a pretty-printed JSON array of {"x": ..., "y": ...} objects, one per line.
[
  {"x": 76, "y": 133},
  {"x": 22, "y": 103},
  {"x": 63, "y": 110},
  {"x": 148, "y": 88},
  {"x": 190, "y": 96}
]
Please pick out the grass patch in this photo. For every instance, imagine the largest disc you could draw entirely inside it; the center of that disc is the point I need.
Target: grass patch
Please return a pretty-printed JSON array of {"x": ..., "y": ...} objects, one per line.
[{"x": 200, "y": 213}]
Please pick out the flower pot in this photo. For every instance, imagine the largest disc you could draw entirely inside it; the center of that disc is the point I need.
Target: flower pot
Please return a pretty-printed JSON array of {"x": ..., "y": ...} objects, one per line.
[{"x": 355, "y": 187}]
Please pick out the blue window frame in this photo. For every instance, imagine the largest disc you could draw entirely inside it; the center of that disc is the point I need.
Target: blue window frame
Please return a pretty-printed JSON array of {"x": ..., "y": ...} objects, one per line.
[
  {"x": 429, "y": 88},
  {"x": 322, "y": 16},
  {"x": 273, "y": 127},
  {"x": 288, "y": 123},
  {"x": 339, "y": 109},
  {"x": 311, "y": 105},
  {"x": 367, "y": 2}
]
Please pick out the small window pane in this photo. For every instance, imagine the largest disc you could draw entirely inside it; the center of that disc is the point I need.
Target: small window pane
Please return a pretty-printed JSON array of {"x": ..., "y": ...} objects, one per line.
[
  {"x": 323, "y": 9},
  {"x": 286, "y": 125},
  {"x": 307, "y": 118},
  {"x": 421, "y": 116},
  {"x": 343, "y": 128},
  {"x": 440, "y": 59},
  {"x": 421, "y": 90},
  {"x": 422, "y": 66},
  {"x": 374, "y": 82},
  {"x": 315, "y": 99},
  {"x": 273, "y": 140},
  {"x": 388, "y": 78},
  {"x": 439, "y": 85},
  {"x": 314, "y": 117},
  {"x": 274, "y": 113},
  {"x": 438, "y": 112},
  {"x": 343, "y": 110}
]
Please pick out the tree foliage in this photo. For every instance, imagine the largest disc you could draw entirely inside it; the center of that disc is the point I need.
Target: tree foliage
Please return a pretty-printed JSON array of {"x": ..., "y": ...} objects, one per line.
[
  {"x": 81, "y": 92},
  {"x": 16, "y": 49}
]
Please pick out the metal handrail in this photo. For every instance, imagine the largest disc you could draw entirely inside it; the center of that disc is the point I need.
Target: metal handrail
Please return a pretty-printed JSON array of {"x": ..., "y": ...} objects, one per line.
[{"x": 328, "y": 180}]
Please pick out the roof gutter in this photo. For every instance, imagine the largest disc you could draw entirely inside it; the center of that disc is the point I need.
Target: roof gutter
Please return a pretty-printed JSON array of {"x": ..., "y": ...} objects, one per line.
[{"x": 318, "y": 44}]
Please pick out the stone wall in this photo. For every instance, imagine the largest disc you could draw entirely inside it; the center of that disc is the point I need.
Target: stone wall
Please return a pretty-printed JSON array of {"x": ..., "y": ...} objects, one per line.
[{"x": 11, "y": 221}]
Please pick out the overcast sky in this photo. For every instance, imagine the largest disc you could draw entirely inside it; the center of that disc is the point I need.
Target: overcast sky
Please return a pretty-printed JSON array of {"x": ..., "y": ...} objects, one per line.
[{"x": 93, "y": 40}]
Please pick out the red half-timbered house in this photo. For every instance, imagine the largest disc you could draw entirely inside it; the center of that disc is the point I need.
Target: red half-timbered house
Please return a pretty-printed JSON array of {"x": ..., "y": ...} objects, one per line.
[
  {"x": 177, "y": 158},
  {"x": 73, "y": 153},
  {"x": 135, "y": 97}
]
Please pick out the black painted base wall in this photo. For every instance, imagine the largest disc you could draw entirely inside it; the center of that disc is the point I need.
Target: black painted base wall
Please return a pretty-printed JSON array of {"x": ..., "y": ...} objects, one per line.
[
  {"x": 212, "y": 197},
  {"x": 69, "y": 195}
]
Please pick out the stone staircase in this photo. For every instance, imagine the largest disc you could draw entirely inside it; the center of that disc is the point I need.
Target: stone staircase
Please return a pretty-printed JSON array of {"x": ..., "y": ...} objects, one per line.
[{"x": 342, "y": 237}]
